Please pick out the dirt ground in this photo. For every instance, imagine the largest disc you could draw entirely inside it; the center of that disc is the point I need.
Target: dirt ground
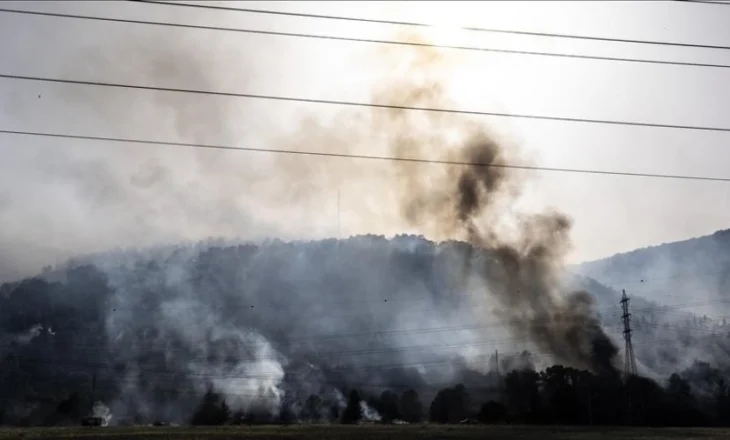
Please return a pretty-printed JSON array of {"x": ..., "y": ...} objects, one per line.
[{"x": 368, "y": 432}]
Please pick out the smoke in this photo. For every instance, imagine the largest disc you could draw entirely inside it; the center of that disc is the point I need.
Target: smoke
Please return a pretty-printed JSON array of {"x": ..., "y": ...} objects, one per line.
[
  {"x": 269, "y": 326},
  {"x": 101, "y": 411},
  {"x": 477, "y": 202},
  {"x": 261, "y": 325},
  {"x": 512, "y": 267},
  {"x": 29, "y": 335},
  {"x": 369, "y": 414}
]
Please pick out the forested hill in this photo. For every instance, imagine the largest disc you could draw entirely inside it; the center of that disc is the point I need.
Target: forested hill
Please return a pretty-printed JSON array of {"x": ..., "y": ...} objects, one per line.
[
  {"x": 271, "y": 324},
  {"x": 691, "y": 271}
]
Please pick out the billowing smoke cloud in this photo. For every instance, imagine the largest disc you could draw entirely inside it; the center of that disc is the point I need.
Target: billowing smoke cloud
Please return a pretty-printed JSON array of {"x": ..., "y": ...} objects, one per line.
[
  {"x": 512, "y": 267},
  {"x": 268, "y": 326},
  {"x": 471, "y": 199}
]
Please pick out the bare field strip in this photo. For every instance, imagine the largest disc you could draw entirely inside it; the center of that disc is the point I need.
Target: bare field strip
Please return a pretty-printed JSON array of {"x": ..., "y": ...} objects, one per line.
[{"x": 367, "y": 432}]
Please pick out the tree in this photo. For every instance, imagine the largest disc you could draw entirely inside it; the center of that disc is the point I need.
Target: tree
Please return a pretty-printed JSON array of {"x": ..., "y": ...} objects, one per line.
[
  {"x": 213, "y": 410},
  {"x": 492, "y": 412},
  {"x": 238, "y": 417},
  {"x": 334, "y": 410},
  {"x": 311, "y": 410},
  {"x": 439, "y": 410},
  {"x": 387, "y": 406},
  {"x": 71, "y": 407},
  {"x": 647, "y": 405},
  {"x": 521, "y": 388},
  {"x": 682, "y": 406},
  {"x": 224, "y": 413},
  {"x": 353, "y": 412},
  {"x": 286, "y": 415},
  {"x": 561, "y": 396},
  {"x": 411, "y": 408},
  {"x": 451, "y": 405},
  {"x": 722, "y": 403},
  {"x": 678, "y": 388}
]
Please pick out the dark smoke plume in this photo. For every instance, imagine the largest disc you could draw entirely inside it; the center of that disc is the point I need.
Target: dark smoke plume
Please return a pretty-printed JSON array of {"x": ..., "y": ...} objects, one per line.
[{"x": 468, "y": 202}]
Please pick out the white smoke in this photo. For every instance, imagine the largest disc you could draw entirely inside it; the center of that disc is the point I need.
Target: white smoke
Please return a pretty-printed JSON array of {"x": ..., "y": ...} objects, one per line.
[
  {"x": 369, "y": 414},
  {"x": 30, "y": 334},
  {"x": 254, "y": 381},
  {"x": 103, "y": 412},
  {"x": 238, "y": 362}
]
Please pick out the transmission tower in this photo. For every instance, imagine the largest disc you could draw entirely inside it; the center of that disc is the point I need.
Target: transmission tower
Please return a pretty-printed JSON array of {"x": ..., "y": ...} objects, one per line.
[{"x": 629, "y": 360}]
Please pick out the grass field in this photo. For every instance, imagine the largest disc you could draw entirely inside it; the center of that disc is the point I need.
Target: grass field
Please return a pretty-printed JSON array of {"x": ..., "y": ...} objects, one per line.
[{"x": 368, "y": 432}]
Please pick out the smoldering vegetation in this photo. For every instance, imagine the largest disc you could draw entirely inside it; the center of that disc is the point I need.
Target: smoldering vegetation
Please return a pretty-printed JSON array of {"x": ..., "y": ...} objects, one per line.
[
  {"x": 264, "y": 325},
  {"x": 289, "y": 330},
  {"x": 283, "y": 331}
]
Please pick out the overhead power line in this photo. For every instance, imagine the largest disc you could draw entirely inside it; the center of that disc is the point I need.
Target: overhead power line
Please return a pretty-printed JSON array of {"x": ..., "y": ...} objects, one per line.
[
  {"x": 690, "y": 276},
  {"x": 706, "y": 2},
  {"x": 611, "y": 329},
  {"x": 99, "y": 366},
  {"x": 91, "y": 349},
  {"x": 681, "y": 305},
  {"x": 385, "y": 106},
  {"x": 354, "y": 352},
  {"x": 430, "y": 25},
  {"x": 357, "y": 352},
  {"x": 698, "y": 332},
  {"x": 366, "y": 367},
  {"x": 368, "y": 40},
  {"x": 355, "y": 156},
  {"x": 547, "y": 321}
]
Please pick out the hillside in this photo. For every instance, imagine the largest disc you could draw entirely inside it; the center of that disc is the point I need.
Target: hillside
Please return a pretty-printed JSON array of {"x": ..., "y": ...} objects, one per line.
[
  {"x": 272, "y": 323},
  {"x": 692, "y": 275}
]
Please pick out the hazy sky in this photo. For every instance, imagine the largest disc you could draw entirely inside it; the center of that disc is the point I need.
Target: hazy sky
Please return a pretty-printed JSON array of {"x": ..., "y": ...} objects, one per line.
[{"x": 62, "y": 197}]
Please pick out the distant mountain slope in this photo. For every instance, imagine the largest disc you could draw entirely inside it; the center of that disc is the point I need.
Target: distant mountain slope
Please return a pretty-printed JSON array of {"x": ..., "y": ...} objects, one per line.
[
  {"x": 692, "y": 274},
  {"x": 269, "y": 322},
  {"x": 263, "y": 323},
  {"x": 680, "y": 299}
]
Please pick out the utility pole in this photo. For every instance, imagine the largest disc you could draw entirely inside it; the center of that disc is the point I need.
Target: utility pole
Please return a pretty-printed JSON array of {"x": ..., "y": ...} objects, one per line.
[
  {"x": 629, "y": 360},
  {"x": 496, "y": 361},
  {"x": 339, "y": 234},
  {"x": 93, "y": 389},
  {"x": 499, "y": 381}
]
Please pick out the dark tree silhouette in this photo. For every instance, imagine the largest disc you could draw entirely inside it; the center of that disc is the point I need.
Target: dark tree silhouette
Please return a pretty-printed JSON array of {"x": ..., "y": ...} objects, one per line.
[
  {"x": 73, "y": 406},
  {"x": 721, "y": 404},
  {"x": 286, "y": 415},
  {"x": 387, "y": 406},
  {"x": 493, "y": 412},
  {"x": 311, "y": 409},
  {"x": 566, "y": 395},
  {"x": 411, "y": 408},
  {"x": 353, "y": 411},
  {"x": 213, "y": 410},
  {"x": 238, "y": 417},
  {"x": 451, "y": 405},
  {"x": 682, "y": 407},
  {"x": 521, "y": 388}
]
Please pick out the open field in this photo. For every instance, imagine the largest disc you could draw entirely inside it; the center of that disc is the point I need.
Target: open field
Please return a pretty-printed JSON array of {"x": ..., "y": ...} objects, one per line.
[{"x": 369, "y": 432}]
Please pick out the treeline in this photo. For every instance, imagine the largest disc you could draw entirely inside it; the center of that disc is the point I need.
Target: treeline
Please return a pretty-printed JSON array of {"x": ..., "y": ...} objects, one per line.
[
  {"x": 557, "y": 395},
  {"x": 138, "y": 331},
  {"x": 388, "y": 407}
]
